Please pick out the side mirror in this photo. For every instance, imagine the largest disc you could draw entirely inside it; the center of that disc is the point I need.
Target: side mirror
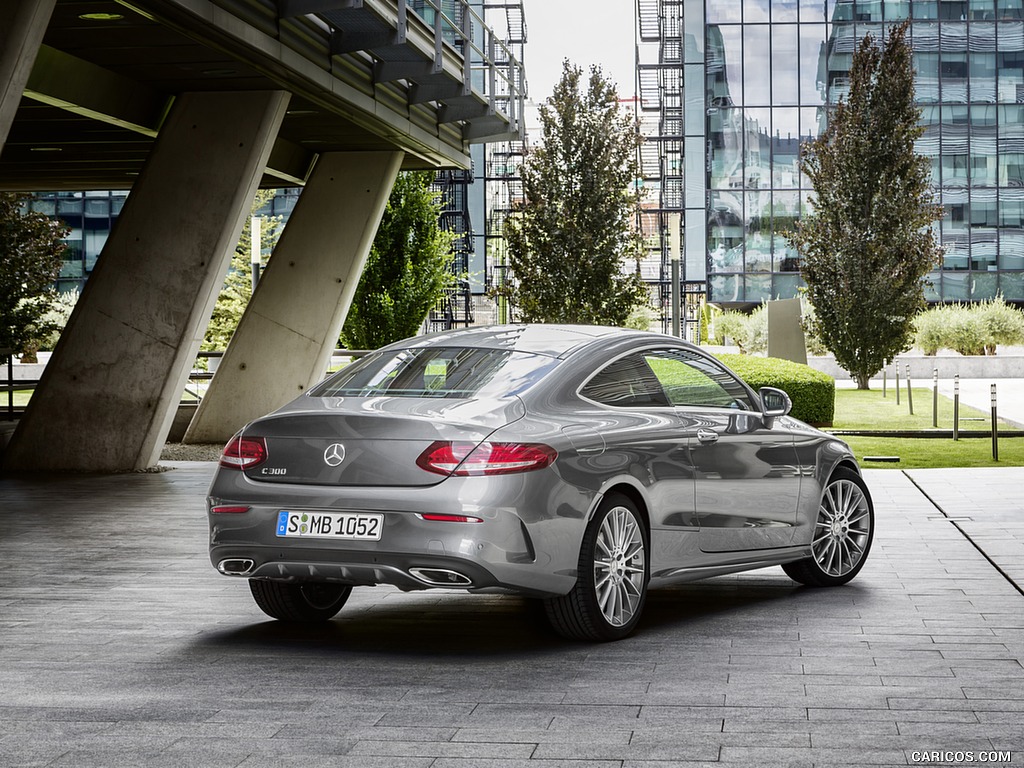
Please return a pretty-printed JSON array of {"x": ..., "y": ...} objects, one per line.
[{"x": 774, "y": 403}]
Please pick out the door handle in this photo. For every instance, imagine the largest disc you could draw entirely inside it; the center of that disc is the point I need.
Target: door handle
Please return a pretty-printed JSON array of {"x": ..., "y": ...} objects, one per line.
[{"x": 707, "y": 435}]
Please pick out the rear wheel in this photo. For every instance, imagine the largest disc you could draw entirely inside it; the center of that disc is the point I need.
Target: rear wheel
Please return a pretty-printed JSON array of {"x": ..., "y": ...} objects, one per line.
[
  {"x": 842, "y": 534},
  {"x": 611, "y": 585},
  {"x": 306, "y": 602}
]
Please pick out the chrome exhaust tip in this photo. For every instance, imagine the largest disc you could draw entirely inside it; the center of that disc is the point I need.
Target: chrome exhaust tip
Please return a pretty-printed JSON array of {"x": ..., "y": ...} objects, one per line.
[
  {"x": 237, "y": 566},
  {"x": 441, "y": 577}
]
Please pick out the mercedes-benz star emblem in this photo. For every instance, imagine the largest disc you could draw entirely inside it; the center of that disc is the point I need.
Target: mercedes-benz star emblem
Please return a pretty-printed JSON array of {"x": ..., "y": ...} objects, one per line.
[{"x": 334, "y": 455}]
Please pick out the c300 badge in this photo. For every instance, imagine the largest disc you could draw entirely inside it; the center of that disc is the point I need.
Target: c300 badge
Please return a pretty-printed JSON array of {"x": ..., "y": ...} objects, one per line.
[{"x": 334, "y": 455}]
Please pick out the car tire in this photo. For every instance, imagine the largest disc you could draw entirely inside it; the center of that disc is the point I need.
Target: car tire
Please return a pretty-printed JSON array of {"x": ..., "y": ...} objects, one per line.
[
  {"x": 843, "y": 531},
  {"x": 307, "y": 602},
  {"x": 613, "y": 571}
]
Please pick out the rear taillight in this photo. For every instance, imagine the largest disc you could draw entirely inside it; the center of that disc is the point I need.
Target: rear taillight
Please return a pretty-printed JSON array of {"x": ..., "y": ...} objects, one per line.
[
  {"x": 445, "y": 457},
  {"x": 440, "y": 518},
  {"x": 244, "y": 453}
]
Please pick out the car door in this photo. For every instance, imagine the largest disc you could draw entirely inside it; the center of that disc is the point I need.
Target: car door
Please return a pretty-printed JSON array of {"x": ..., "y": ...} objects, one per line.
[
  {"x": 746, "y": 477},
  {"x": 645, "y": 437}
]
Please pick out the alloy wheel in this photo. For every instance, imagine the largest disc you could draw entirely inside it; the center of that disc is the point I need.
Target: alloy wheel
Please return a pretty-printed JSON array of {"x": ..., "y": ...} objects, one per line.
[
  {"x": 619, "y": 566},
  {"x": 843, "y": 529}
]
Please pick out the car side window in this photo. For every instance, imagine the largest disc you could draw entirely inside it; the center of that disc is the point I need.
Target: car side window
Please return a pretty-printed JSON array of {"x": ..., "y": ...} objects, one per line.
[
  {"x": 693, "y": 380},
  {"x": 628, "y": 382}
]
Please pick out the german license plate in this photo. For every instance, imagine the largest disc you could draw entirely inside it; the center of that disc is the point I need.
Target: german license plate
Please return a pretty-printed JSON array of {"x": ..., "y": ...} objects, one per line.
[{"x": 330, "y": 525}]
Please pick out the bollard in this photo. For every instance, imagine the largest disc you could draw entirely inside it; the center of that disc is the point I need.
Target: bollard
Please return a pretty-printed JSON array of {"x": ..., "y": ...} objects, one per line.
[
  {"x": 995, "y": 428},
  {"x": 956, "y": 407},
  {"x": 935, "y": 398},
  {"x": 897, "y": 382},
  {"x": 910, "y": 393}
]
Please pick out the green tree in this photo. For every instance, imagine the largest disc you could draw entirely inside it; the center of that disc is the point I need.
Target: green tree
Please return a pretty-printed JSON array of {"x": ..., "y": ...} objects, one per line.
[
  {"x": 867, "y": 245},
  {"x": 575, "y": 230},
  {"x": 407, "y": 271},
  {"x": 31, "y": 255},
  {"x": 237, "y": 290}
]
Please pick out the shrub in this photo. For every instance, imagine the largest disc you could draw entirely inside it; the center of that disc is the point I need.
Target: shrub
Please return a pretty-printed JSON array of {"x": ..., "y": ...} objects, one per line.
[
  {"x": 970, "y": 329},
  {"x": 967, "y": 332},
  {"x": 748, "y": 332},
  {"x": 931, "y": 330},
  {"x": 809, "y": 325},
  {"x": 642, "y": 317},
  {"x": 1004, "y": 323},
  {"x": 813, "y": 393}
]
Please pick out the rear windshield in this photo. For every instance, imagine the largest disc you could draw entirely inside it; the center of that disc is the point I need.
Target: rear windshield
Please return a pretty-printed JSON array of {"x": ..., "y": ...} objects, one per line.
[{"x": 452, "y": 372}]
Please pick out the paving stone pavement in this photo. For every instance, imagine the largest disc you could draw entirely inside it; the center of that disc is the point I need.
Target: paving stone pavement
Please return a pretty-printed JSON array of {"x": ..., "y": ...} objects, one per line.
[{"x": 121, "y": 646}]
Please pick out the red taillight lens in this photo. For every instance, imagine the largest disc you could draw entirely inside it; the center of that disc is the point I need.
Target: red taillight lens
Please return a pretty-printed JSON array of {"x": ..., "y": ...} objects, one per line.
[
  {"x": 462, "y": 458},
  {"x": 226, "y": 509},
  {"x": 244, "y": 453},
  {"x": 437, "y": 518}
]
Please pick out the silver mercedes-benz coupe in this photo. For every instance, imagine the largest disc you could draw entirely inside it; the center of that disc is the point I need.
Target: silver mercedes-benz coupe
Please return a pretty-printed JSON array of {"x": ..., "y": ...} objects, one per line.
[{"x": 579, "y": 465}]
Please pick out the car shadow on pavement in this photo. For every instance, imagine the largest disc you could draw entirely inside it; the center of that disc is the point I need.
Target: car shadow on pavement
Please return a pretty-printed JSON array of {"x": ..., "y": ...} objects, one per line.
[{"x": 428, "y": 625}]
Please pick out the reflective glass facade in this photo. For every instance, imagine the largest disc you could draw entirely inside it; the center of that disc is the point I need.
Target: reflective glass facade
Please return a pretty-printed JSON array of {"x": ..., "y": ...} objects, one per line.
[
  {"x": 771, "y": 69},
  {"x": 89, "y": 217}
]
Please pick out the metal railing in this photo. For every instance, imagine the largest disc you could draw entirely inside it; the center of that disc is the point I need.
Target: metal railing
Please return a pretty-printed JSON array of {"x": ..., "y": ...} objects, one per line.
[
  {"x": 7, "y": 358},
  {"x": 195, "y": 387},
  {"x": 485, "y": 64}
]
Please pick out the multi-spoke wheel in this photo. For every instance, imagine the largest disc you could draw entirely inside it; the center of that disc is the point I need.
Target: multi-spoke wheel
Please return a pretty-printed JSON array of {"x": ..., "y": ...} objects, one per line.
[
  {"x": 611, "y": 584},
  {"x": 842, "y": 533},
  {"x": 307, "y": 602}
]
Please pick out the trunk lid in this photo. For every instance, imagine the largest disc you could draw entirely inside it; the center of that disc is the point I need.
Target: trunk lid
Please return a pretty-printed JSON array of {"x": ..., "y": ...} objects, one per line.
[{"x": 360, "y": 442}]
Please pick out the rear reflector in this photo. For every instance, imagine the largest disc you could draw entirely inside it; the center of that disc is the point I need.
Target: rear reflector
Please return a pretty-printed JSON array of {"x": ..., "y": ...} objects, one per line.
[
  {"x": 450, "y": 518},
  {"x": 460, "y": 458},
  {"x": 229, "y": 510},
  {"x": 244, "y": 453}
]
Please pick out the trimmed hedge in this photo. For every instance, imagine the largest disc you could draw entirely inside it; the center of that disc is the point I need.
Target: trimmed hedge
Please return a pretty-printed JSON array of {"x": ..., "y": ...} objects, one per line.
[{"x": 813, "y": 393}]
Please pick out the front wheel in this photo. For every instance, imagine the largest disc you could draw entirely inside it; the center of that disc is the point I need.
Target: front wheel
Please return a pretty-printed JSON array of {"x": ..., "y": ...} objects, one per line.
[
  {"x": 611, "y": 583},
  {"x": 306, "y": 602},
  {"x": 842, "y": 535}
]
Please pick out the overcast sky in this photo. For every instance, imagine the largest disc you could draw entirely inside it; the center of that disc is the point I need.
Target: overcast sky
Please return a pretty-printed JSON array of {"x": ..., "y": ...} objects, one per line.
[{"x": 585, "y": 32}]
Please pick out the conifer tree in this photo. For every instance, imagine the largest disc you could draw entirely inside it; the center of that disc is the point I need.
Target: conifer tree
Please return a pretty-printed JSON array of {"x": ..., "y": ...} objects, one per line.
[
  {"x": 575, "y": 230},
  {"x": 868, "y": 245}
]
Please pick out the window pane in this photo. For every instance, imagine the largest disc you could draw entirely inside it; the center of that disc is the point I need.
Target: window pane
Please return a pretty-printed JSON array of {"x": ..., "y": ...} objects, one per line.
[
  {"x": 784, "y": 10},
  {"x": 454, "y": 372},
  {"x": 692, "y": 380},
  {"x": 812, "y": 76},
  {"x": 726, "y": 140},
  {"x": 755, "y": 10},
  {"x": 757, "y": 71},
  {"x": 785, "y": 84},
  {"x": 725, "y": 64},
  {"x": 626, "y": 383}
]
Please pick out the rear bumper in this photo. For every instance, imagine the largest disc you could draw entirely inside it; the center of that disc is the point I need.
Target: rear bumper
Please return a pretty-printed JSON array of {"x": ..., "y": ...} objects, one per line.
[
  {"x": 522, "y": 547},
  {"x": 407, "y": 572}
]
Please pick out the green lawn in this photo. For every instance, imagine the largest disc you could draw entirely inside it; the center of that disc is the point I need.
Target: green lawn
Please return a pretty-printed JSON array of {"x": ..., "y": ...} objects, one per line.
[
  {"x": 21, "y": 398},
  {"x": 868, "y": 410}
]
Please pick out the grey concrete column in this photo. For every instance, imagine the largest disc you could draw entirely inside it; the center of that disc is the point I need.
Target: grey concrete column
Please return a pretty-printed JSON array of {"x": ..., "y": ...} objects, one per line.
[
  {"x": 22, "y": 25},
  {"x": 284, "y": 341},
  {"x": 109, "y": 393}
]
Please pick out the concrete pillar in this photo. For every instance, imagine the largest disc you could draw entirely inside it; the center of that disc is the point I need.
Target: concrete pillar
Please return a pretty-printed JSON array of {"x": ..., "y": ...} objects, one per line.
[
  {"x": 284, "y": 341},
  {"x": 110, "y": 391},
  {"x": 22, "y": 25}
]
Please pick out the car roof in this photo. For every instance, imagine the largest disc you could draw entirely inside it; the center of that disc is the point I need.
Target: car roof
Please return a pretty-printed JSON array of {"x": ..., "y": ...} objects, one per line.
[{"x": 538, "y": 338}]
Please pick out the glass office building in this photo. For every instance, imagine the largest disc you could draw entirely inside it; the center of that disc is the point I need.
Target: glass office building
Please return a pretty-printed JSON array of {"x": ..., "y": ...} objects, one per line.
[{"x": 769, "y": 69}]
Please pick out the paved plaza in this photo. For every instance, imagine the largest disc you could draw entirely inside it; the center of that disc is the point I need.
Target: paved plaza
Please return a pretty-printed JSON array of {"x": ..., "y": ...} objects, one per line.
[{"x": 121, "y": 646}]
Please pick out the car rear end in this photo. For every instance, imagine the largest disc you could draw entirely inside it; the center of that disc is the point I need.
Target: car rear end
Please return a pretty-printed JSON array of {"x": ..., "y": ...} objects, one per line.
[{"x": 409, "y": 469}]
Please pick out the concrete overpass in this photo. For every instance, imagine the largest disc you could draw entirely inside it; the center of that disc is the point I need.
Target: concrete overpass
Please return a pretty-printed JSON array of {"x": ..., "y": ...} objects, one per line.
[{"x": 193, "y": 104}]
